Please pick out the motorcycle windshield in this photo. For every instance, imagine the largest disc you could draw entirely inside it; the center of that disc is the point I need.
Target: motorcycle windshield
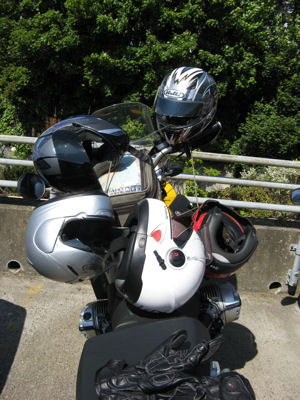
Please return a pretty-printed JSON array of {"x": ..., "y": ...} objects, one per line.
[{"x": 134, "y": 119}]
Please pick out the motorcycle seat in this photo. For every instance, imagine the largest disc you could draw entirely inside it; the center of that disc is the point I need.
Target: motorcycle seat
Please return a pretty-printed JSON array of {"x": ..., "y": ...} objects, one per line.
[{"x": 130, "y": 344}]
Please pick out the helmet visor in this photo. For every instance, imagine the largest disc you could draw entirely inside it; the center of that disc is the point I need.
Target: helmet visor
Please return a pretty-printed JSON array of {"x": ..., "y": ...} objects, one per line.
[{"x": 177, "y": 108}]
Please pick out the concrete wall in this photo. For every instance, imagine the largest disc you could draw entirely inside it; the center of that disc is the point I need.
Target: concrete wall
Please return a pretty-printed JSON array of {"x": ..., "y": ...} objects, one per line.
[
  {"x": 269, "y": 263},
  {"x": 13, "y": 222},
  {"x": 271, "y": 260}
]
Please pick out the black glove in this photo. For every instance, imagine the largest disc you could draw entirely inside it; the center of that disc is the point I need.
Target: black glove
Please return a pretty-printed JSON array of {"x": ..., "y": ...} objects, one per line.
[
  {"x": 158, "y": 371},
  {"x": 187, "y": 388},
  {"x": 168, "y": 386},
  {"x": 227, "y": 386},
  {"x": 179, "y": 386},
  {"x": 160, "y": 376},
  {"x": 122, "y": 386},
  {"x": 169, "y": 357}
]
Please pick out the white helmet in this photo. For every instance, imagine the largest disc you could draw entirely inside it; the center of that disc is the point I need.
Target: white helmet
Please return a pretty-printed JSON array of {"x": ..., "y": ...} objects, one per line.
[
  {"x": 65, "y": 237},
  {"x": 163, "y": 263}
]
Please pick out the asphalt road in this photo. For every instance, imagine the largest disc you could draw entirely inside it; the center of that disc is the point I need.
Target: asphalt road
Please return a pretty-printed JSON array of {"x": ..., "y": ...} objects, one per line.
[{"x": 40, "y": 344}]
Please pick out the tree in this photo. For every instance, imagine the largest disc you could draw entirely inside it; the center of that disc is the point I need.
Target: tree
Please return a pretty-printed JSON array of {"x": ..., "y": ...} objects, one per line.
[
  {"x": 267, "y": 133},
  {"x": 75, "y": 56}
]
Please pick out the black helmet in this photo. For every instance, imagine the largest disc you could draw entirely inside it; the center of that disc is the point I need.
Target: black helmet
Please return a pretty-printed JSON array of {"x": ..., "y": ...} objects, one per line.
[
  {"x": 185, "y": 104},
  {"x": 72, "y": 154},
  {"x": 229, "y": 239}
]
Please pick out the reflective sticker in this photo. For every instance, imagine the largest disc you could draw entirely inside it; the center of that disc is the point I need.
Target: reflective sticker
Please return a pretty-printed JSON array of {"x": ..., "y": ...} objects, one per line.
[{"x": 156, "y": 235}]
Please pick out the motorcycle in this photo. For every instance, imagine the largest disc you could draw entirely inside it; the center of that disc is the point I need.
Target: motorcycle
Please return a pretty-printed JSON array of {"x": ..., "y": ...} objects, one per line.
[{"x": 156, "y": 264}]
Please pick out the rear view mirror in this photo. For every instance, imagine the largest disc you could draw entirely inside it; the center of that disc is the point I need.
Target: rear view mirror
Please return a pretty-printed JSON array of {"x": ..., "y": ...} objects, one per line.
[
  {"x": 31, "y": 186},
  {"x": 295, "y": 196}
]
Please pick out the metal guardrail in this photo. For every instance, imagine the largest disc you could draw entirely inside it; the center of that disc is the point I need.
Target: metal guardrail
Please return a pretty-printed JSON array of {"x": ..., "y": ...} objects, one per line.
[
  {"x": 216, "y": 157},
  {"x": 17, "y": 139},
  {"x": 240, "y": 182},
  {"x": 248, "y": 204},
  {"x": 229, "y": 158},
  {"x": 8, "y": 184}
]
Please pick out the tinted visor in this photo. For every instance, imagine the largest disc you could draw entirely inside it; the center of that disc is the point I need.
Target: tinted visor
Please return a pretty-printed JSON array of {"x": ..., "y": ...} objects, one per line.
[{"x": 177, "y": 108}]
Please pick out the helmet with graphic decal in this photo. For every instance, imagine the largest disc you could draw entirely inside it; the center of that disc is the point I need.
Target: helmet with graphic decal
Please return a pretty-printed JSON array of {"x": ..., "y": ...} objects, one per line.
[
  {"x": 229, "y": 239},
  {"x": 185, "y": 106}
]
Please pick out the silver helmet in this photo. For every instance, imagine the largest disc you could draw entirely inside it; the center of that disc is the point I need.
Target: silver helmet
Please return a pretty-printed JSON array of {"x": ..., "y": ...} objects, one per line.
[
  {"x": 185, "y": 104},
  {"x": 66, "y": 236}
]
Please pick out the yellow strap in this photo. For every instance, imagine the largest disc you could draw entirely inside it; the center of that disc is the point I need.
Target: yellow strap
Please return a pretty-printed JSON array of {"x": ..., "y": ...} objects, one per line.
[{"x": 170, "y": 194}]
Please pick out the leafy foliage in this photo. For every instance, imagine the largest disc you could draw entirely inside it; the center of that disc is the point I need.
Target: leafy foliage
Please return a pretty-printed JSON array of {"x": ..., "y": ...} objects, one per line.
[
  {"x": 9, "y": 123},
  {"x": 267, "y": 133},
  {"x": 257, "y": 194},
  {"x": 263, "y": 195},
  {"x": 272, "y": 174},
  {"x": 69, "y": 57}
]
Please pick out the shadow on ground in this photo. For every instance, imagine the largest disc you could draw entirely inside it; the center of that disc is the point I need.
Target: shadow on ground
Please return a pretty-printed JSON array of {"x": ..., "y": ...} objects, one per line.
[
  {"x": 288, "y": 300},
  {"x": 12, "y": 318},
  {"x": 238, "y": 347}
]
